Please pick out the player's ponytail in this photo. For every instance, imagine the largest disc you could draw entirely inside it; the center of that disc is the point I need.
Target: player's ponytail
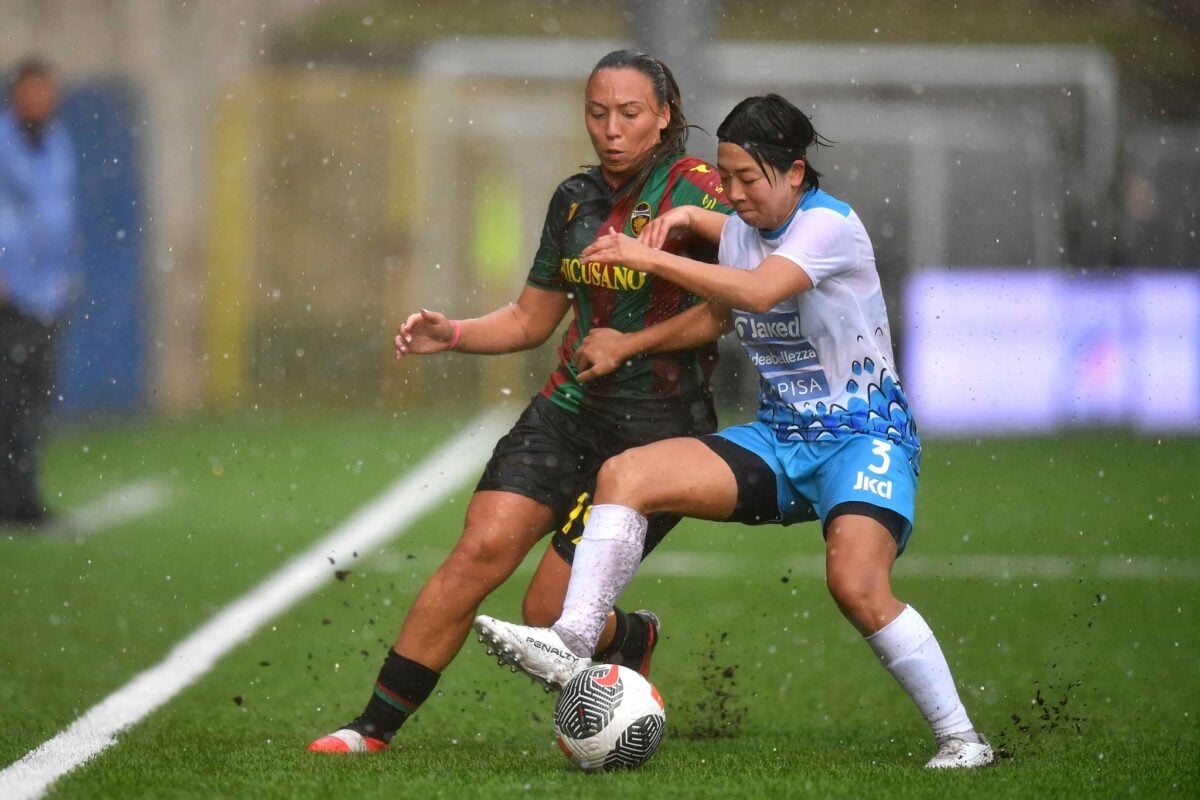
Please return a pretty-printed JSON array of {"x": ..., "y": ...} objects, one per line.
[
  {"x": 774, "y": 132},
  {"x": 673, "y": 140}
]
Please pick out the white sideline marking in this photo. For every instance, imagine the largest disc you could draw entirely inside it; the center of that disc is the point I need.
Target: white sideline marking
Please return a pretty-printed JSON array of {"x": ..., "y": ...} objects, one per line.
[
  {"x": 388, "y": 515},
  {"x": 987, "y": 567},
  {"x": 668, "y": 563},
  {"x": 118, "y": 506}
]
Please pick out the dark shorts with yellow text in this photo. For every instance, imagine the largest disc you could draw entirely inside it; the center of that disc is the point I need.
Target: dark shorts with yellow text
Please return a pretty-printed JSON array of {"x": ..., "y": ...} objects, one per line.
[{"x": 552, "y": 456}]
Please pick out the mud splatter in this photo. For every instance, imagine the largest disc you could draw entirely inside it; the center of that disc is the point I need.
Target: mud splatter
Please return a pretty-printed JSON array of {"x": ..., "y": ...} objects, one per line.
[
  {"x": 714, "y": 709},
  {"x": 1059, "y": 704},
  {"x": 1048, "y": 716}
]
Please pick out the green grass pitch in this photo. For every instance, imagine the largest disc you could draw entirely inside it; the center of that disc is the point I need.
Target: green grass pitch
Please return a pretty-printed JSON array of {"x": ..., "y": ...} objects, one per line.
[{"x": 1060, "y": 574}]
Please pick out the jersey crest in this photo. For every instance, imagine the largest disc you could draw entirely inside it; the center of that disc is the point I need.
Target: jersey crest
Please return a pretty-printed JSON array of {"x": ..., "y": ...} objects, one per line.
[{"x": 640, "y": 216}]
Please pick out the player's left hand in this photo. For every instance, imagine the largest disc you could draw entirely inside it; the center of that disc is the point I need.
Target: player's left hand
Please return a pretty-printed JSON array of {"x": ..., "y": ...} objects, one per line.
[
  {"x": 672, "y": 224},
  {"x": 599, "y": 354},
  {"x": 617, "y": 248}
]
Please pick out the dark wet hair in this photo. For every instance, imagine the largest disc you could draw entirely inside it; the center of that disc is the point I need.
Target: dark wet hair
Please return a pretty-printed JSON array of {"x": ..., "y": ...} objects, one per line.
[
  {"x": 774, "y": 132},
  {"x": 673, "y": 140}
]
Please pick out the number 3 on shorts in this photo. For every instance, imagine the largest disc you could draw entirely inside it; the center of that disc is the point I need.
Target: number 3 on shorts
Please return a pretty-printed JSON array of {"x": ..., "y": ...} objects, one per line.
[{"x": 882, "y": 449}]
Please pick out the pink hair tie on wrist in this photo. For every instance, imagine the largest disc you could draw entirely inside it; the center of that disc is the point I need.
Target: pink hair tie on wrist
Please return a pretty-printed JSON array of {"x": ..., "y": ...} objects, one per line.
[{"x": 457, "y": 333}]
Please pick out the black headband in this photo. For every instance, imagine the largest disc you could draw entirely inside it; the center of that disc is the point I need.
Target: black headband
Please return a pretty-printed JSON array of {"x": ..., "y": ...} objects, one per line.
[{"x": 798, "y": 152}]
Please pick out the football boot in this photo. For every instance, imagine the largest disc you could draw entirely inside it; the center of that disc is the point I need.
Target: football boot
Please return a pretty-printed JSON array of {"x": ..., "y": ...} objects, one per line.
[{"x": 538, "y": 652}]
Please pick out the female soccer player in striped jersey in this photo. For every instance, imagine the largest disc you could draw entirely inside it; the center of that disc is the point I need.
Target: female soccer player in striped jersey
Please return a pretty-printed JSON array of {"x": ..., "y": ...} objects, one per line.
[
  {"x": 834, "y": 439},
  {"x": 541, "y": 473}
]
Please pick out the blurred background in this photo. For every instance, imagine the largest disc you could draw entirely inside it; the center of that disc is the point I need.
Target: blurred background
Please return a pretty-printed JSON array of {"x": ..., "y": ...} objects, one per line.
[{"x": 267, "y": 188}]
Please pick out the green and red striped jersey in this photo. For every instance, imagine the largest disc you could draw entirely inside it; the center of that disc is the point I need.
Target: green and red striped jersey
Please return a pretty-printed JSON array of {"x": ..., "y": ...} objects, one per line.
[{"x": 614, "y": 296}]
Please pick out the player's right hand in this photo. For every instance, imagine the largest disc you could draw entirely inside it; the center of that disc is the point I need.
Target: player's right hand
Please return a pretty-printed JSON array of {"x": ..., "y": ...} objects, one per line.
[
  {"x": 659, "y": 229},
  {"x": 599, "y": 354},
  {"x": 422, "y": 333}
]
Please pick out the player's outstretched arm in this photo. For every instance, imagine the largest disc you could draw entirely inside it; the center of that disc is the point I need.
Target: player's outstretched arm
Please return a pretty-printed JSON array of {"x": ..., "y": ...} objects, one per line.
[
  {"x": 603, "y": 350},
  {"x": 758, "y": 290},
  {"x": 702, "y": 222},
  {"x": 522, "y": 325}
]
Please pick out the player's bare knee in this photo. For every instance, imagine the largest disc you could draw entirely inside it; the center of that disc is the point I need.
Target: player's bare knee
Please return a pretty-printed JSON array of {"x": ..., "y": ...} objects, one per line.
[
  {"x": 620, "y": 481},
  {"x": 478, "y": 560},
  {"x": 863, "y": 597},
  {"x": 852, "y": 592}
]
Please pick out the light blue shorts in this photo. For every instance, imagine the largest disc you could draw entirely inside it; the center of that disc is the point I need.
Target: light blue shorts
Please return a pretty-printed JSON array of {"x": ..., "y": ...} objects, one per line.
[{"x": 812, "y": 478}]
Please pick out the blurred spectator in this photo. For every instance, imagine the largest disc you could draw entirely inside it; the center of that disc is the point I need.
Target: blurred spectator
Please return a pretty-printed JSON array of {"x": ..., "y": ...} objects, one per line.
[{"x": 39, "y": 272}]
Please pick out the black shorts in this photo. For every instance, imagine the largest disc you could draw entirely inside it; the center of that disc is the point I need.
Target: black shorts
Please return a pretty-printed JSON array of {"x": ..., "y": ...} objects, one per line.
[
  {"x": 758, "y": 502},
  {"x": 552, "y": 456}
]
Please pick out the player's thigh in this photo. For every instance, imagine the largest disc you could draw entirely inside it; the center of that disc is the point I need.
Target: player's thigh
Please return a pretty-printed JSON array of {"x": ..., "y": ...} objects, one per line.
[
  {"x": 859, "y": 554},
  {"x": 546, "y": 456},
  {"x": 766, "y": 495},
  {"x": 500, "y": 530},
  {"x": 871, "y": 476},
  {"x": 679, "y": 476}
]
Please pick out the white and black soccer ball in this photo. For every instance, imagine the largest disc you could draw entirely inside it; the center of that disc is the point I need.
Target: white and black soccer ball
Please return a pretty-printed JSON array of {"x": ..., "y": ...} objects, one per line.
[{"x": 609, "y": 717}]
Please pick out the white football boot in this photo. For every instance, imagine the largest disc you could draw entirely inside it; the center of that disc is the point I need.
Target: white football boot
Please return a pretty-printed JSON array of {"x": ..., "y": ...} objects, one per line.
[
  {"x": 960, "y": 752},
  {"x": 538, "y": 652}
]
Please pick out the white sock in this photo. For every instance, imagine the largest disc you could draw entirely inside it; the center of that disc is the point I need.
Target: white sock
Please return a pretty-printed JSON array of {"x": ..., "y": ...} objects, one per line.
[
  {"x": 605, "y": 560},
  {"x": 909, "y": 651}
]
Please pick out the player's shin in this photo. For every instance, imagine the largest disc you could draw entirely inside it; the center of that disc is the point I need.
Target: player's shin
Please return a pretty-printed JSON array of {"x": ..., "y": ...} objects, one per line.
[
  {"x": 605, "y": 561},
  {"x": 909, "y": 651}
]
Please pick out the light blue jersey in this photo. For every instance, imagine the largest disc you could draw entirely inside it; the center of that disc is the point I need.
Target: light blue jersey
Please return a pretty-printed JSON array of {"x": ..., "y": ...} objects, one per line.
[
  {"x": 833, "y": 423},
  {"x": 824, "y": 356}
]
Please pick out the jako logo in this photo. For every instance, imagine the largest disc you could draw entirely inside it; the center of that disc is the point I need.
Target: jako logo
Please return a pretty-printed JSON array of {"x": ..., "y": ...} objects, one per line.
[
  {"x": 750, "y": 329},
  {"x": 874, "y": 485}
]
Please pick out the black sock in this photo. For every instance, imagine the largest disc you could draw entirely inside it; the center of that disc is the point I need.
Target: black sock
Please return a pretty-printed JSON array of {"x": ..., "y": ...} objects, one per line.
[
  {"x": 629, "y": 643},
  {"x": 632, "y": 650},
  {"x": 402, "y": 686},
  {"x": 619, "y": 636}
]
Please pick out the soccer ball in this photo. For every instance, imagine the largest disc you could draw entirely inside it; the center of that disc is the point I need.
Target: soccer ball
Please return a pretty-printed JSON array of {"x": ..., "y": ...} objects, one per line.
[{"x": 609, "y": 717}]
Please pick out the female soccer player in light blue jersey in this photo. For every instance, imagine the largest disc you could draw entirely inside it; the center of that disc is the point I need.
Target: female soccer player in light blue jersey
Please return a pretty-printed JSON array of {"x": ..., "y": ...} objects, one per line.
[{"x": 834, "y": 439}]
